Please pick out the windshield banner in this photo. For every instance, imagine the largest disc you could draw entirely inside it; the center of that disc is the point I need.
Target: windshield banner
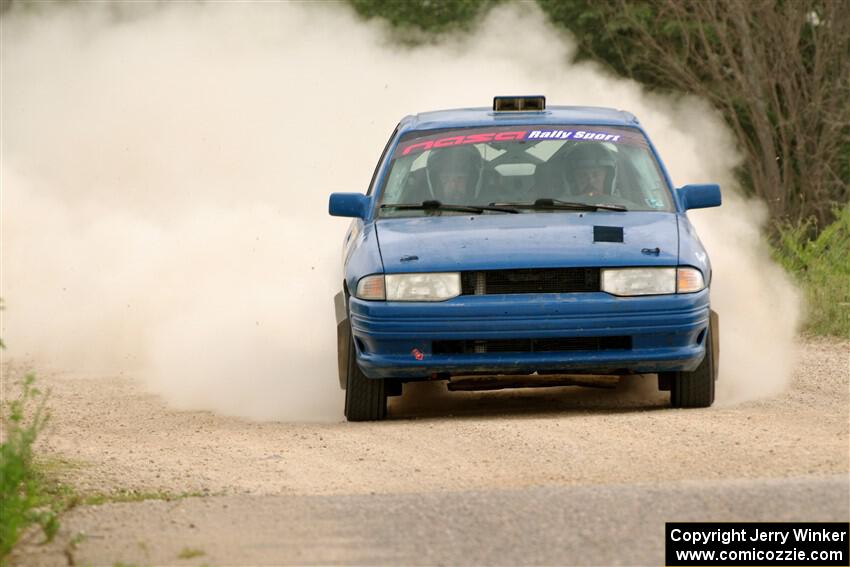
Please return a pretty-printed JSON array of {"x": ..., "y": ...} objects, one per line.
[{"x": 445, "y": 139}]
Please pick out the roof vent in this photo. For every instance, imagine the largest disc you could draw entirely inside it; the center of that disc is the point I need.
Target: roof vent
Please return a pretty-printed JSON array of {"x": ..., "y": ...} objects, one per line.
[{"x": 535, "y": 103}]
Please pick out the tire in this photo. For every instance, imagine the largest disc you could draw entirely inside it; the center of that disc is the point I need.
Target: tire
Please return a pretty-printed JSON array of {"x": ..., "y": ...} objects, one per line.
[
  {"x": 715, "y": 341},
  {"x": 365, "y": 398},
  {"x": 695, "y": 389}
]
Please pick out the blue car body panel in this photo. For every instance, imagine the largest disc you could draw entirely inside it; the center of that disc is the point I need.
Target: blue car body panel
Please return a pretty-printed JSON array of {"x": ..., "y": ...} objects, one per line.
[
  {"x": 361, "y": 254},
  {"x": 667, "y": 332},
  {"x": 533, "y": 240},
  {"x": 587, "y": 115},
  {"x": 691, "y": 250}
]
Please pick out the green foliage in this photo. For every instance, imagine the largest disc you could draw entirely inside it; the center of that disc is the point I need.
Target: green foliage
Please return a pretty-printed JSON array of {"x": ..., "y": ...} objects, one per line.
[
  {"x": 821, "y": 264},
  {"x": 777, "y": 72},
  {"x": 29, "y": 491},
  {"x": 612, "y": 34},
  {"x": 604, "y": 32},
  {"x": 95, "y": 499},
  {"x": 432, "y": 16},
  {"x": 23, "y": 499},
  {"x": 190, "y": 553}
]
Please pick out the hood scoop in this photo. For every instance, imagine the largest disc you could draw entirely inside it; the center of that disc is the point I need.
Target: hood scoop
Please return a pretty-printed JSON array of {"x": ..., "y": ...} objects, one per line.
[{"x": 608, "y": 234}]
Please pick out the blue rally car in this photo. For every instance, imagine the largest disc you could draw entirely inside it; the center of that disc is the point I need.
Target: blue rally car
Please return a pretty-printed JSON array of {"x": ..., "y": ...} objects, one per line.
[{"x": 522, "y": 245}]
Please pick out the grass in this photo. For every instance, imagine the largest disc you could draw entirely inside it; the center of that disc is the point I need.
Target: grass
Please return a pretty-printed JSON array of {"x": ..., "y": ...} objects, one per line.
[
  {"x": 820, "y": 263},
  {"x": 30, "y": 492},
  {"x": 95, "y": 499},
  {"x": 24, "y": 498},
  {"x": 189, "y": 553}
]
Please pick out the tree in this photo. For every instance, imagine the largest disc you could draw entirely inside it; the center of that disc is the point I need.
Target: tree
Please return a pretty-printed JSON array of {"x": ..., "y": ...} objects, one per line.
[
  {"x": 778, "y": 70},
  {"x": 427, "y": 15}
]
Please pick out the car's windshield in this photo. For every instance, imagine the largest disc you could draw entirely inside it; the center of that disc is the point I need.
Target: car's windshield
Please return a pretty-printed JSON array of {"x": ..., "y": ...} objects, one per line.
[{"x": 522, "y": 164}]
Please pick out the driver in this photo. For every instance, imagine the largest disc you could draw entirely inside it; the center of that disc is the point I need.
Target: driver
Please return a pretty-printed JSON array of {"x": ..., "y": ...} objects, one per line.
[
  {"x": 454, "y": 174},
  {"x": 589, "y": 170}
]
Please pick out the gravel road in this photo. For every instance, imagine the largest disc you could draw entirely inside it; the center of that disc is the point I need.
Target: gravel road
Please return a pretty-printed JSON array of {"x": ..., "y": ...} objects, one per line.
[{"x": 531, "y": 476}]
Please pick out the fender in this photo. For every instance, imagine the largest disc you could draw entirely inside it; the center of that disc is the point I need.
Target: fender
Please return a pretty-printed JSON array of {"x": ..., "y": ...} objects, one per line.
[{"x": 343, "y": 336}]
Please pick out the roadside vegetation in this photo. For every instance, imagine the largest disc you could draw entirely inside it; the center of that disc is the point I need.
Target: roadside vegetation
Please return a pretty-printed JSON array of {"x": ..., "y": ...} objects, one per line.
[
  {"x": 820, "y": 262},
  {"x": 30, "y": 492},
  {"x": 190, "y": 553},
  {"x": 24, "y": 497},
  {"x": 779, "y": 74}
]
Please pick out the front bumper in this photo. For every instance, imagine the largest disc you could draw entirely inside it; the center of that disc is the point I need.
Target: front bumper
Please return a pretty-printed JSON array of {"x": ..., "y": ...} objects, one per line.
[{"x": 667, "y": 333}]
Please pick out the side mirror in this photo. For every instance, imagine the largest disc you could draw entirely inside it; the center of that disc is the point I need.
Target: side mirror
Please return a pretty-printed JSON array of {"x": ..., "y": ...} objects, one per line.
[
  {"x": 349, "y": 205},
  {"x": 699, "y": 196}
]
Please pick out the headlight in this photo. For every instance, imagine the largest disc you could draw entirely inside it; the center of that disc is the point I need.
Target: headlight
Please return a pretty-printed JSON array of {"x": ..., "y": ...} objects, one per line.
[
  {"x": 639, "y": 281},
  {"x": 422, "y": 287},
  {"x": 651, "y": 281}
]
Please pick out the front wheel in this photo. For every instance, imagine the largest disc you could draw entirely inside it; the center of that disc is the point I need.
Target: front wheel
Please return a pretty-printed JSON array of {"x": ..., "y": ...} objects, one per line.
[
  {"x": 365, "y": 398},
  {"x": 695, "y": 389}
]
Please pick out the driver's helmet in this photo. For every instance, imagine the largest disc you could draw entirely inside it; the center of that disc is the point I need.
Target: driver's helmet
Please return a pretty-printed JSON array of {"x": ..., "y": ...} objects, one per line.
[
  {"x": 454, "y": 173},
  {"x": 589, "y": 170}
]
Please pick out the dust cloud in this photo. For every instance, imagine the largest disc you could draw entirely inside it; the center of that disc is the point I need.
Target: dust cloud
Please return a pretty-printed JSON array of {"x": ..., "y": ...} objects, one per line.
[{"x": 166, "y": 167}]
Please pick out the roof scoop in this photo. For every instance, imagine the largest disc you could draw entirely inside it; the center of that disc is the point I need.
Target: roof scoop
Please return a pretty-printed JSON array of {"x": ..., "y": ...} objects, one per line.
[{"x": 535, "y": 103}]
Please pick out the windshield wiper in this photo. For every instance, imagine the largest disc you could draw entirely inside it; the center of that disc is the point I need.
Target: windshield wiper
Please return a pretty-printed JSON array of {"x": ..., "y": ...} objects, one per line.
[
  {"x": 557, "y": 204},
  {"x": 434, "y": 205}
]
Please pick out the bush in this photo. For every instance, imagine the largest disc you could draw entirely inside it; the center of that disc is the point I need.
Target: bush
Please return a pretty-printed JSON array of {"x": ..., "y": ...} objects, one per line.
[
  {"x": 821, "y": 265},
  {"x": 22, "y": 498},
  {"x": 429, "y": 16}
]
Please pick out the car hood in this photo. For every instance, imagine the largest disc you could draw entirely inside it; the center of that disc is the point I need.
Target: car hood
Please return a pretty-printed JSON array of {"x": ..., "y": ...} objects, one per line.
[{"x": 528, "y": 240}]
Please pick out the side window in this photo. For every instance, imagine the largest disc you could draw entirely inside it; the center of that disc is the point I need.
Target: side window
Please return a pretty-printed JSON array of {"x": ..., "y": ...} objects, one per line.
[
  {"x": 397, "y": 181},
  {"x": 645, "y": 183},
  {"x": 381, "y": 160}
]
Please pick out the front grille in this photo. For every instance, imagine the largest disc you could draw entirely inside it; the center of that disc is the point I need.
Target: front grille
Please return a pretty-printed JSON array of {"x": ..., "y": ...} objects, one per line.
[
  {"x": 546, "y": 280},
  {"x": 532, "y": 345}
]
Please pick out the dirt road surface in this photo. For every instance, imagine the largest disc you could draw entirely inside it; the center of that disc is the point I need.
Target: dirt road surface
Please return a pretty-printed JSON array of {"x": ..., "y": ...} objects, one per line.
[{"x": 549, "y": 476}]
